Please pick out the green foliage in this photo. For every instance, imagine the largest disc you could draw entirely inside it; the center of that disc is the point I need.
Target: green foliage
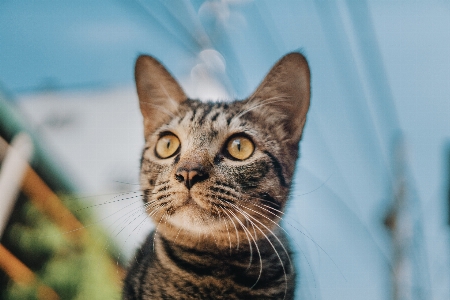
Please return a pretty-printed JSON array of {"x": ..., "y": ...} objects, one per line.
[{"x": 75, "y": 268}]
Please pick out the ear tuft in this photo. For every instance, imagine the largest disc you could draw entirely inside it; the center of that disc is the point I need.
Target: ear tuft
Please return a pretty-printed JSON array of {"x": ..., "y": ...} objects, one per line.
[
  {"x": 286, "y": 91},
  {"x": 159, "y": 93}
]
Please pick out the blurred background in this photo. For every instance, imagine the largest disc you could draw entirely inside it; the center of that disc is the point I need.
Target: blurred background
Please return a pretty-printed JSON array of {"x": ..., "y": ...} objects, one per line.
[{"x": 368, "y": 214}]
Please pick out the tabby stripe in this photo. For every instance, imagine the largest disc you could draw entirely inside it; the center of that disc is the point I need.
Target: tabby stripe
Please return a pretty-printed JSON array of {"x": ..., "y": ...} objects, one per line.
[
  {"x": 163, "y": 182},
  {"x": 194, "y": 111},
  {"x": 164, "y": 188},
  {"x": 205, "y": 113},
  {"x": 146, "y": 196},
  {"x": 129, "y": 290},
  {"x": 278, "y": 168},
  {"x": 213, "y": 134},
  {"x": 272, "y": 202},
  {"x": 221, "y": 198},
  {"x": 163, "y": 196},
  {"x": 181, "y": 119},
  {"x": 182, "y": 249},
  {"x": 215, "y": 116},
  {"x": 142, "y": 259},
  {"x": 223, "y": 184},
  {"x": 182, "y": 264},
  {"x": 251, "y": 175},
  {"x": 142, "y": 280},
  {"x": 222, "y": 191},
  {"x": 229, "y": 119}
]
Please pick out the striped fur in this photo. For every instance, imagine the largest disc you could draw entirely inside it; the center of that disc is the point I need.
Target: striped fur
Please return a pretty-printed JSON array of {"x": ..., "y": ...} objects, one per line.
[{"x": 218, "y": 238}]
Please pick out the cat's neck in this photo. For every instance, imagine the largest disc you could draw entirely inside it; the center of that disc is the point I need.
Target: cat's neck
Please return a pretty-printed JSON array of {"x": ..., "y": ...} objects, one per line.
[
  {"x": 265, "y": 261},
  {"x": 222, "y": 242}
]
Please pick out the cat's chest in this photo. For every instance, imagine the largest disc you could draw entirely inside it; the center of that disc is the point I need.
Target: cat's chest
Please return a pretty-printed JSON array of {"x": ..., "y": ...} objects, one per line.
[{"x": 180, "y": 273}]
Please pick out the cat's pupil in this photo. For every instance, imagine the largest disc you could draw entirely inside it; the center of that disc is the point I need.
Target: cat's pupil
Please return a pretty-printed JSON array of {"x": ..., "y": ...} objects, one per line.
[
  {"x": 238, "y": 144},
  {"x": 168, "y": 144}
]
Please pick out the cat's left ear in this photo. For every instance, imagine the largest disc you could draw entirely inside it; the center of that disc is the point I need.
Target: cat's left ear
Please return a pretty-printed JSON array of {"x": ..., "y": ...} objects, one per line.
[
  {"x": 159, "y": 93},
  {"x": 285, "y": 93}
]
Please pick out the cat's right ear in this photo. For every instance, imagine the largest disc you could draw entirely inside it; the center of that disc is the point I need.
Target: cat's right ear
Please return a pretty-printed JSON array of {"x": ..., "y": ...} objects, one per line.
[
  {"x": 159, "y": 93},
  {"x": 284, "y": 95}
]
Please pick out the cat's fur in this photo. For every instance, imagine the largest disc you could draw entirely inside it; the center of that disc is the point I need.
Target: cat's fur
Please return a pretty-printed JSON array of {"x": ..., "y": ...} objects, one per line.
[{"x": 217, "y": 233}]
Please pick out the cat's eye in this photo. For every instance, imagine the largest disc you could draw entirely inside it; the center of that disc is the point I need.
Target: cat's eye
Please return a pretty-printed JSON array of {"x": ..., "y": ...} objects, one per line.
[
  {"x": 167, "y": 145},
  {"x": 240, "y": 147}
]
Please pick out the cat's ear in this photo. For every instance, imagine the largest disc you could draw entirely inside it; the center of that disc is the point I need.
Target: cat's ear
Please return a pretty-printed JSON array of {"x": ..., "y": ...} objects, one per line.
[
  {"x": 285, "y": 93},
  {"x": 159, "y": 93}
]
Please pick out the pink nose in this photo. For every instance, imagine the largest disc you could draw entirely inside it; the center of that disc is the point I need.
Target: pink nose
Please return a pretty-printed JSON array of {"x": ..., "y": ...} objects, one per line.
[{"x": 190, "y": 174}]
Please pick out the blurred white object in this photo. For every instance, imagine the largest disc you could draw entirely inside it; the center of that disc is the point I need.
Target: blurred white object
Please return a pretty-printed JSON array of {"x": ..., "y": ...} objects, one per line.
[{"x": 13, "y": 169}]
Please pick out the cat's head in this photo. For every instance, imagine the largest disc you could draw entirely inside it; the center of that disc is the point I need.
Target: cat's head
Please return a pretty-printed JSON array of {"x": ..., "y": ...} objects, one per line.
[{"x": 219, "y": 171}]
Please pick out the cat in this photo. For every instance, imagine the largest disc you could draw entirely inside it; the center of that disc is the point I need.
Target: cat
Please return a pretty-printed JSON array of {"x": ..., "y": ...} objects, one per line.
[{"x": 216, "y": 177}]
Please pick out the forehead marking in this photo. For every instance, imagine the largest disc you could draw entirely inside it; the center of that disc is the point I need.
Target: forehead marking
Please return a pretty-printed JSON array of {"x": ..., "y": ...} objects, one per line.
[
  {"x": 194, "y": 111},
  {"x": 206, "y": 111},
  {"x": 214, "y": 117},
  {"x": 277, "y": 167}
]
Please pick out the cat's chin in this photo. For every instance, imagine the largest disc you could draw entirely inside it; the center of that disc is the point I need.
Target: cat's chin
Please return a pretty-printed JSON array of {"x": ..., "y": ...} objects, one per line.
[
  {"x": 192, "y": 217},
  {"x": 185, "y": 229}
]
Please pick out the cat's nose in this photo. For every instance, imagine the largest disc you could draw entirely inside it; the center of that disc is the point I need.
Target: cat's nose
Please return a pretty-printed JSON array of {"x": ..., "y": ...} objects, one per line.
[{"x": 191, "y": 173}]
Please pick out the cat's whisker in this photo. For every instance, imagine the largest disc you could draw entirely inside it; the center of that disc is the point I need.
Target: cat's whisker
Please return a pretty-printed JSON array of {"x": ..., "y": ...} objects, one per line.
[
  {"x": 273, "y": 210},
  {"x": 248, "y": 234},
  {"x": 134, "y": 212},
  {"x": 126, "y": 183},
  {"x": 211, "y": 232},
  {"x": 153, "y": 206},
  {"x": 160, "y": 108},
  {"x": 215, "y": 239},
  {"x": 235, "y": 228},
  {"x": 98, "y": 221},
  {"x": 122, "y": 216},
  {"x": 267, "y": 228},
  {"x": 288, "y": 221},
  {"x": 118, "y": 194},
  {"x": 262, "y": 103},
  {"x": 228, "y": 231},
  {"x": 289, "y": 235},
  {"x": 111, "y": 227},
  {"x": 167, "y": 218},
  {"x": 300, "y": 231},
  {"x": 152, "y": 202},
  {"x": 172, "y": 102},
  {"x": 126, "y": 222},
  {"x": 137, "y": 226},
  {"x": 259, "y": 255},
  {"x": 293, "y": 240},
  {"x": 267, "y": 238},
  {"x": 178, "y": 232},
  {"x": 108, "y": 201},
  {"x": 271, "y": 244},
  {"x": 159, "y": 222}
]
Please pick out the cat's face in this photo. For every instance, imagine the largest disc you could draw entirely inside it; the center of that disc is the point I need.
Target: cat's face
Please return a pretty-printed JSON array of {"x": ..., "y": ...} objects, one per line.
[{"x": 220, "y": 171}]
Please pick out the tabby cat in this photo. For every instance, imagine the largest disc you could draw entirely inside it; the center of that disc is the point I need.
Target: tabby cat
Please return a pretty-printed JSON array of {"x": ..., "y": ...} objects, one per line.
[{"x": 216, "y": 177}]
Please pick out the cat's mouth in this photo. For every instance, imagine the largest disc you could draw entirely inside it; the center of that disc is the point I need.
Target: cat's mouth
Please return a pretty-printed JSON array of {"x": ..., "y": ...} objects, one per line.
[
  {"x": 192, "y": 208},
  {"x": 194, "y": 201}
]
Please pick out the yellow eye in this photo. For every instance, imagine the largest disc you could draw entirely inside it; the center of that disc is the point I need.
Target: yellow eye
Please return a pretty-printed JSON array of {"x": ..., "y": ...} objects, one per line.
[
  {"x": 167, "y": 145},
  {"x": 240, "y": 147}
]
